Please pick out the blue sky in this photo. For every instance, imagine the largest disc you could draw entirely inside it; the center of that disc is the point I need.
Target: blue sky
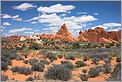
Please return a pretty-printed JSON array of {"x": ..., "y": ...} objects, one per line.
[{"x": 37, "y": 17}]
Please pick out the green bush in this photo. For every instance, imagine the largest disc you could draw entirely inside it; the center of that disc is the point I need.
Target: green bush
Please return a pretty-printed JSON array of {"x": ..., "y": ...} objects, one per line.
[
  {"x": 84, "y": 77},
  {"x": 107, "y": 68},
  {"x": 116, "y": 74},
  {"x": 80, "y": 64},
  {"x": 67, "y": 65},
  {"x": 25, "y": 61},
  {"x": 49, "y": 55},
  {"x": 59, "y": 56},
  {"x": 93, "y": 72},
  {"x": 118, "y": 59},
  {"x": 44, "y": 62},
  {"x": 4, "y": 77},
  {"x": 32, "y": 61},
  {"x": 22, "y": 70},
  {"x": 29, "y": 79},
  {"x": 58, "y": 72},
  {"x": 4, "y": 65},
  {"x": 70, "y": 57},
  {"x": 34, "y": 46},
  {"x": 38, "y": 67},
  {"x": 84, "y": 70},
  {"x": 76, "y": 45}
]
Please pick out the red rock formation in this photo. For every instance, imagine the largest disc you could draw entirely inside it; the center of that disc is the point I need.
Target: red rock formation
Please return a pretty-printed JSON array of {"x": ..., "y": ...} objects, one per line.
[
  {"x": 99, "y": 35},
  {"x": 91, "y": 35},
  {"x": 65, "y": 34},
  {"x": 62, "y": 34}
]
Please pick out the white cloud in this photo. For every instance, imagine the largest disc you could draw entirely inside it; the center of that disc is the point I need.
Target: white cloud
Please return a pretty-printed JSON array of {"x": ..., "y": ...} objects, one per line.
[
  {"x": 34, "y": 18},
  {"x": 6, "y": 24},
  {"x": 109, "y": 26},
  {"x": 5, "y": 16},
  {"x": 56, "y": 8},
  {"x": 81, "y": 19},
  {"x": 54, "y": 21},
  {"x": 96, "y": 13},
  {"x": 19, "y": 30},
  {"x": 63, "y": 15},
  {"x": 36, "y": 30},
  {"x": 24, "y": 6},
  {"x": 115, "y": 29},
  {"x": 45, "y": 29},
  {"x": 16, "y": 17},
  {"x": 29, "y": 32},
  {"x": 33, "y": 22}
]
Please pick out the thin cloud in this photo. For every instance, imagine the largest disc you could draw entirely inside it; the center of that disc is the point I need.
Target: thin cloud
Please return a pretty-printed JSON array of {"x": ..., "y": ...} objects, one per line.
[
  {"x": 24, "y": 6},
  {"x": 82, "y": 13},
  {"x": 56, "y": 8},
  {"x": 6, "y": 24},
  {"x": 109, "y": 26},
  {"x": 96, "y": 14},
  {"x": 14, "y": 17},
  {"x": 19, "y": 30}
]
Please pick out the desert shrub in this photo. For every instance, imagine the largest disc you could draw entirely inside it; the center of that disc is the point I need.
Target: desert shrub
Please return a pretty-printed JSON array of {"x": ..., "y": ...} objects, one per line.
[
  {"x": 84, "y": 58},
  {"x": 59, "y": 56},
  {"x": 20, "y": 58},
  {"x": 19, "y": 48},
  {"x": 32, "y": 61},
  {"x": 107, "y": 61},
  {"x": 93, "y": 72},
  {"x": 70, "y": 57},
  {"x": 58, "y": 72},
  {"x": 29, "y": 79},
  {"x": 44, "y": 62},
  {"x": 99, "y": 68},
  {"x": 22, "y": 70},
  {"x": 38, "y": 67},
  {"x": 12, "y": 55},
  {"x": 4, "y": 65},
  {"x": 116, "y": 74},
  {"x": 107, "y": 68},
  {"x": 67, "y": 65},
  {"x": 76, "y": 45},
  {"x": 118, "y": 59},
  {"x": 95, "y": 60},
  {"x": 84, "y": 70},
  {"x": 4, "y": 77},
  {"x": 84, "y": 77},
  {"x": 107, "y": 45},
  {"x": 53, "y": 59},
  {"x": 34, "y": 46},
  {"x": 25, "y": 61},
  {"x": 80, "y": 64},
  {"x": 49, "y": 55},
  {"x": 89, "y": 45}
]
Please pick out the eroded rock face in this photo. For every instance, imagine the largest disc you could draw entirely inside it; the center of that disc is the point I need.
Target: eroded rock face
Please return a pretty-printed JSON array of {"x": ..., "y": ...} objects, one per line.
[
  {"x": 62, "y": 34},
  {"x": 99, "y": 35},
  {"x": 65, "y": 33}
]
